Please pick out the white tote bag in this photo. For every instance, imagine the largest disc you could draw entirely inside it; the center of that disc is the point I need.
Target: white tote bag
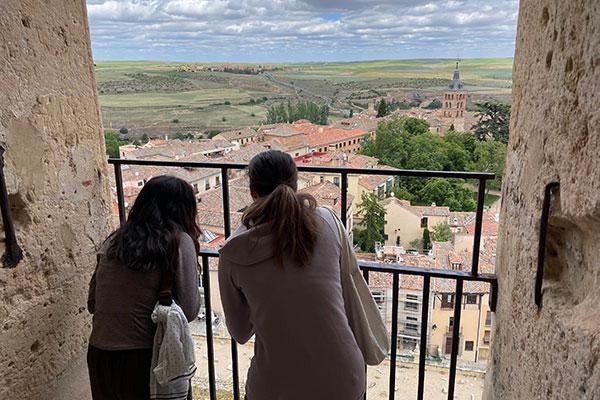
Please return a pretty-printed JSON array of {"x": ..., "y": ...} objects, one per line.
[{"x": 362, "y": 312}]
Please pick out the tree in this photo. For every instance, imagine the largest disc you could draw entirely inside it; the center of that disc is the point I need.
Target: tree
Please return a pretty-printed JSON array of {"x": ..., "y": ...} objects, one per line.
[
  {"x": 175, "y": 120},
  {"x": 382, "y": 109},
  {"x": 426, "y": 239},
  {"x": 123, "y": 131},
  {"x": 447, "y": 192},
  {"x": 416, "y": 244},
  {"x": 112, "y": 142},
  {"x": 223, "y": 119},
  {"x": 212, "y": 133},
  {"x": 292, "y": 112},
  {"x": 441, "y": 233},
  {"x": 373, "y": 221},
  {"x": 434, "y": 105},
  {"x": 493, "y": 121},
  {"x": 490, "y": 156},
  {"x": 145, "y": 138},
  {"x": 351, "y": 114}
]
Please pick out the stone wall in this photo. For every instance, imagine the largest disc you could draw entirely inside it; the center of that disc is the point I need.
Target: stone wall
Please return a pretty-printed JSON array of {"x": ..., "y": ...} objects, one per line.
[
  {"x": 57, "y": 180},
  {"x": 551, "y": 353}
]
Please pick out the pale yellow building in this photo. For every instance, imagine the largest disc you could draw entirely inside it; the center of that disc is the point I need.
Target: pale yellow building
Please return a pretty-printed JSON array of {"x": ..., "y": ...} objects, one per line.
[{"x": 405, "y": 223}]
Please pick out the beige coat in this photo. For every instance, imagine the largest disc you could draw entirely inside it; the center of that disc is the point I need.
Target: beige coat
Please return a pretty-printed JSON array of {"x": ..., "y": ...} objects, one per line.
[{"x": 304, "y": 347}]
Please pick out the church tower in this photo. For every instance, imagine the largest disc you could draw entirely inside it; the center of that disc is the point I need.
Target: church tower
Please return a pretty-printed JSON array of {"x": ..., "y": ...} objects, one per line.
[{"x": 455, "y": 97}]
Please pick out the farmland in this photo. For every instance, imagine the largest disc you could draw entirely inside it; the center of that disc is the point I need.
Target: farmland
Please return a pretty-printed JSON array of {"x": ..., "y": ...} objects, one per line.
[{"x": 157, "y": 99}]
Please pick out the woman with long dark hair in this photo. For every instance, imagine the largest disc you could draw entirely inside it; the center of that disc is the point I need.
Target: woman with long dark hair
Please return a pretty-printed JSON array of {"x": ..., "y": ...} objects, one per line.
[
  {"x": 161, "y": 234},
  {"x": 279, "y": 276}
]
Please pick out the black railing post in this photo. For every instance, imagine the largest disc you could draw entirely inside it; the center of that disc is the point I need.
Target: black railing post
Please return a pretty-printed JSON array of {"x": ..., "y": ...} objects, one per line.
[
  {"x": 344, "y": 205},
  {"x": 13, "y": 253},
  {"x": 366, "y": 276},
  {"x": 212, "y": 387},
  {"x": 120, "y": 196},
  {"x": 478, "y": 223},
  {"x": 423, "y": 343},
  {"x": 544, "y": 221},
  {"x": 235, "y": 374},
  {"x": 394, "y": 337},
  {"x": 455, "y": 337}
]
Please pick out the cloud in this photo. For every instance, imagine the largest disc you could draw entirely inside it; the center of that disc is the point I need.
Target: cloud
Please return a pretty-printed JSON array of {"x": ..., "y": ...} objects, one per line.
[{"x": 300, "y": 30}]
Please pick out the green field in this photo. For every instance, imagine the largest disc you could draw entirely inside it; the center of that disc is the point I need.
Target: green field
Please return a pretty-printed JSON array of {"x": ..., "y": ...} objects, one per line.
[{"x": 147, "y": 96}]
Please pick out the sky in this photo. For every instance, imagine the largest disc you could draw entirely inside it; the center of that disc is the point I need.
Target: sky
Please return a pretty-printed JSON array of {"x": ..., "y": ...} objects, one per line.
[{"x": 272, "y": 31}]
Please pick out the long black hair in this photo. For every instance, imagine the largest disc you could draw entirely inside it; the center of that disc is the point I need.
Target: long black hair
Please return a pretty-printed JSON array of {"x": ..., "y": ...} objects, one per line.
[
  {"x": 274, "y": 177},
  {"x": 149, "y": 240}
]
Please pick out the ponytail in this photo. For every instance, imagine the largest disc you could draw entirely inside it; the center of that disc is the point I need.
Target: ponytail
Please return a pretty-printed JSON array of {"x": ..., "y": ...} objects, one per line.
[{"x": 290, "y": 214}]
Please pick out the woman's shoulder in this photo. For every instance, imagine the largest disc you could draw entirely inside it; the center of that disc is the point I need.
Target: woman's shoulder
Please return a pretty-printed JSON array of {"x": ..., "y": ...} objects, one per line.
[
  {"x": 186, "y": 242},
  {"x": 327, "y": 215}
]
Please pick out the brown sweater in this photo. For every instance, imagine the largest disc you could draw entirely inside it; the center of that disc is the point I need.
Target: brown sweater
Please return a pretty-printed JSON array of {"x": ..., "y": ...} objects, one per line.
[{"x": 122, "y": 300}]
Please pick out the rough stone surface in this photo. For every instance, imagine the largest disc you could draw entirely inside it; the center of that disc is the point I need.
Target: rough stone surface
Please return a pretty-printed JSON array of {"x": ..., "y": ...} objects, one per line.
[
  {"x": 57, "y": 179},
  {"x": 551, "y": 353}
]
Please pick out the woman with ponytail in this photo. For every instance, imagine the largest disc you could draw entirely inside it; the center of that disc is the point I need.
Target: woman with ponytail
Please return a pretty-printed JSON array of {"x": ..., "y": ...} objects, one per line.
[{"x": 279, "y": 277}]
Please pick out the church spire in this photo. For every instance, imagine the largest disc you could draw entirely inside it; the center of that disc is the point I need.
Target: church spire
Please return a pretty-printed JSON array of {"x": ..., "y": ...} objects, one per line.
[{"x": 456, "y": 82}]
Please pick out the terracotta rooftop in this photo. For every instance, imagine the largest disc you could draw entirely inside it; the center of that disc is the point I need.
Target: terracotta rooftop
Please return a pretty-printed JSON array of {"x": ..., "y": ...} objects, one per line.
[
  {"x": 327, "y": 194},
  {"x": 420, "y": 211}
]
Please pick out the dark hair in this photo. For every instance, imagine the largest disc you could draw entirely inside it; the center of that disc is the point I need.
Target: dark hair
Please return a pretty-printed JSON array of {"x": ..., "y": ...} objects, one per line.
[
  {"x": 165, "y": 208},
  {"x": 274, "y": 177}
]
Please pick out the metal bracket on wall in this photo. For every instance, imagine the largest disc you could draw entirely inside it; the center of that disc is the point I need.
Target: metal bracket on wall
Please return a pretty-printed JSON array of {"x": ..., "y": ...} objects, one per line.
[
  {"x": 539, "y": 276},
  {"x": 13, "y": 253}
]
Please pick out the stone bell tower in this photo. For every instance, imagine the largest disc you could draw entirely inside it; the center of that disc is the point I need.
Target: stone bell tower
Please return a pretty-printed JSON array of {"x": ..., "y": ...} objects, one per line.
[{"x": 455, "y": 97}]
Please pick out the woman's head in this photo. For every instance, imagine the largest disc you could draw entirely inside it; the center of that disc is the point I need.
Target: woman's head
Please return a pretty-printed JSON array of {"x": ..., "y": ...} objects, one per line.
[
  {"x": 164, "y": 208},
  {"x": 273, "y": 183}
]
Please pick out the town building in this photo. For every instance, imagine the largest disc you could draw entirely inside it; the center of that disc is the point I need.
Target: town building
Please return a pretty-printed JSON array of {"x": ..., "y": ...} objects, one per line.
[{"x": 405, "y": 222}]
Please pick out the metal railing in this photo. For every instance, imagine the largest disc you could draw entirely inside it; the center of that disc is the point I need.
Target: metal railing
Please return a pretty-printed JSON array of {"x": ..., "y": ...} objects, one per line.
[{"x": 460, "y": 277}]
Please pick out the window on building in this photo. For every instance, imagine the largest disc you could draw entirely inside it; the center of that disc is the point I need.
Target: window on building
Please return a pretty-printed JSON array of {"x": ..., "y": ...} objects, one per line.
[
  {"x": 486, "y": 337},
  {"x": 411, "y": 327},
  {"x": 471, "y": 299},
  {"x": 488, "y": 318},
  {"x": 424, "y": 222},
  {"x": 447, "y": 300},
  {"x": 398, "y": 240},
  {"x": 140, "y": 183},
  {"x": 379, "y": 297},
  {"x": 195, "y": 188},
  {"x": 409, "y": 318},
  {"x": 218, "y": 181},
  {"x": 336, "y": 180},
  {"x": 412, "y": 297},
  {"x": 469, "y": 345},
  {"x": 321, "y": 179},
  {"x": 206, "y": 184},
  {"x": 410, "y": 306},
  {"x": 456, "y": 266}
]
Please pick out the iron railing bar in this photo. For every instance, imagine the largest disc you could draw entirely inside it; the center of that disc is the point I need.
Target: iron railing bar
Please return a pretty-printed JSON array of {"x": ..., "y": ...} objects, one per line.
[
  {"x": 311, "y": 168},
  {"x": 120, "y": 195},
  {"x": 13, "y": 253},
  {"x": 227, "y": 228},
  {"x": 423, "y": 342},
  {"x": 366, "y": 276},
  {"x": 455, "y": 337},
  {"x": 394, "y": 336},
  {"x": 212, "y": 387},
  {"x": 423, "y": 271},
  {"x": 344, "y": 205},
  {"x": 493, "y": 295},
  {"x": 478, "y": 224},
  {"x": 544, "y": 221}
]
